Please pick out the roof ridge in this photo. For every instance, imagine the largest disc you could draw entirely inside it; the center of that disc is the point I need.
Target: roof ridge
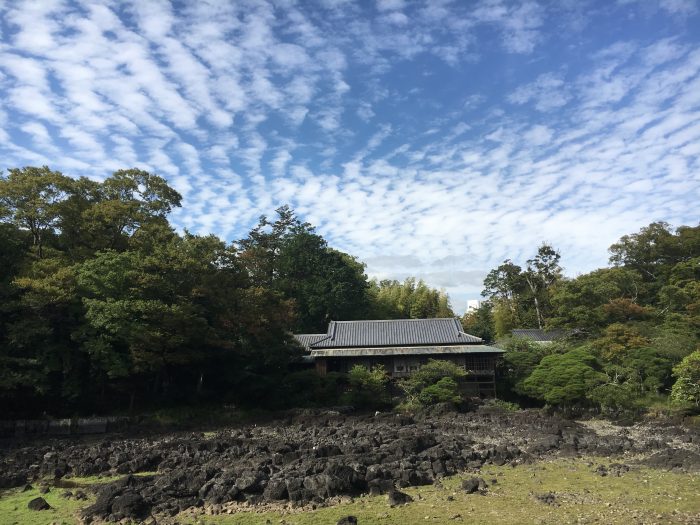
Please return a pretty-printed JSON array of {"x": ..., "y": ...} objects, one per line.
[{"x": 394, "y": 320}]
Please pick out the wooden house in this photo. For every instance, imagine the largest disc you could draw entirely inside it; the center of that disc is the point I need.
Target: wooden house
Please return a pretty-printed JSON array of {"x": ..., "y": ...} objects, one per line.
[{"x": 402, "y": 346}]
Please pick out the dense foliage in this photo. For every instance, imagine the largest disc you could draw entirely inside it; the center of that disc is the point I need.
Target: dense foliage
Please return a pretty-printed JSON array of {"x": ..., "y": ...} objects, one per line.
[
  {"x": 625, "y": 327},
  {"x": 435, "y": 382},
  {"x": 104, "y": 306}
]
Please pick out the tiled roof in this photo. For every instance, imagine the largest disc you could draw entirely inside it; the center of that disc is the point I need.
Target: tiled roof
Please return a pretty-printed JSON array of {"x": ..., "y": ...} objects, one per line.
[
  {"x": 306, "y": 340},
  {"x": 535, "y": 334},
  {"x": 395, "y": 332}
]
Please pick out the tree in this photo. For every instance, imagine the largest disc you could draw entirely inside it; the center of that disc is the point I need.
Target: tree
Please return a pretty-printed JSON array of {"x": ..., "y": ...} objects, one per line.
[
  {"x": 520, "y": 359},
  {"x": 564, "y": 379},
  {"x": 368, "y": 386},
  {"x": 480, "y": 322},
  {"x": 289, "y": 257},
  {"x": 654, "y": 251},
  {"x": 127, "y": 200},
  {"x": 686, "y": 389},
  {"x": 411, "y": 299},
  {"x": 32, "y": 197},
  {"x": 435, "y": 382},
  {"x": 504, "y": 283},
  {"x": 521, "y": 298},
  {"x": 617, "y": 341},
  {"x": 582, "y": 303},
  {"x": 542, "y": 272}
]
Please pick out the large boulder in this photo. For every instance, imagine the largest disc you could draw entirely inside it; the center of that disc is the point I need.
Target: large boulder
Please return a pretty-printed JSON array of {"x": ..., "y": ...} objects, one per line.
[{"x": 38, "y": 504}]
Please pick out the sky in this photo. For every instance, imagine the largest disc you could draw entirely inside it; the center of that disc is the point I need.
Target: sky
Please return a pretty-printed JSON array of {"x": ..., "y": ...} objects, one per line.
[{"x": 431, "y": 139}]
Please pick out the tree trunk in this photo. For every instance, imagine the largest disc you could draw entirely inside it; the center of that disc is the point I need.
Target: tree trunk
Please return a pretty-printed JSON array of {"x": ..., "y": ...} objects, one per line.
[
  {"x": 200, "y": 383},
  {"x": 533, "y": 289}
]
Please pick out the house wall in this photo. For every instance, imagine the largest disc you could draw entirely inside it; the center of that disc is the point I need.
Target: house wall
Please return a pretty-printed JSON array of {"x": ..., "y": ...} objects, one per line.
[{"x": 481, "y": 367}]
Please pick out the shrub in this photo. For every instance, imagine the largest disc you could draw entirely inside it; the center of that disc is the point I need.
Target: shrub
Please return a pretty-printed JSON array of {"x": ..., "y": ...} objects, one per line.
[
  {"x": 564, "y": 379},
  {"x": 308, "y": 389},
  {"x": 501, "y": 405},
  {"x": 613, "y": 396},
  {"x": 368, "y": 387},
  {"x": 446, "y": 390},
  {"x": 435, "y": 382},
  {"x": 686, "y": 389}
]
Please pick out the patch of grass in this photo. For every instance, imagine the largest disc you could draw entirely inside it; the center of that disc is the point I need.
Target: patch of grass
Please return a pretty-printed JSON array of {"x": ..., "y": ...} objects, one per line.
[
  {"x": 14, "y": 511},
  {"x": 199, "y": 417},
  {"x": 580, "y": 496},
  {"x": 87, "y": 481}
]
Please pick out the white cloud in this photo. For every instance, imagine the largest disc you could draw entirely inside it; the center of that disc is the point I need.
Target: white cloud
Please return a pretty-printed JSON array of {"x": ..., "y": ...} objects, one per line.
[
  {"x": 548, "y": 92},
  {"x": 342, "y": 113}
]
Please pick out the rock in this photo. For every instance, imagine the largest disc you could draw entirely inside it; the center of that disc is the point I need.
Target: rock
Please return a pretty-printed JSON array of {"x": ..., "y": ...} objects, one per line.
[
  {"x": 398, "y": 498},
  {"x": 275, "y": 491},
  {"x": 347, "y": 520},
  {"x": 38, "y": 504},
  {"x": 548, "y": 498},
  {"x": 130, "y": 504},
  {"x": 44, "y": 489},
  {"x": 471, "y": 485}
]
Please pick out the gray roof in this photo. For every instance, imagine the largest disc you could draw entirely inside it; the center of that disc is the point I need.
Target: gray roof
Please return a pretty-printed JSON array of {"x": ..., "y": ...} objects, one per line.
[
  {"x": 306, "y": 340},
  {"x": 395, "y": 332},
  {"x": 535, "y": 334}
]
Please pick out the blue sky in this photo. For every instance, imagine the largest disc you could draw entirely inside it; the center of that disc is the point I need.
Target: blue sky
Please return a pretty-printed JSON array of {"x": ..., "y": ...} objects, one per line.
[{"x": 431, "y": 138}]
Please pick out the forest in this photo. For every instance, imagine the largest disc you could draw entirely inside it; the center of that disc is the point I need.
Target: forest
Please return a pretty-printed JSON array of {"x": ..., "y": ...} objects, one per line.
[{"x": 105, "y": 307}]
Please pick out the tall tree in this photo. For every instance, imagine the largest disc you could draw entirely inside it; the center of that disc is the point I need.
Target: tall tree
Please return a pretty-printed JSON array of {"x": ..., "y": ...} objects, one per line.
[
  {"x": 32, "y": 197},
  {"x": 542, "y": 272}
]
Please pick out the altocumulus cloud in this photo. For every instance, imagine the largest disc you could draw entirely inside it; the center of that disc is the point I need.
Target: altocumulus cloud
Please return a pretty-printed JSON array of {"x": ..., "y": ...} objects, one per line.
[{"x": 430, "y": 139}]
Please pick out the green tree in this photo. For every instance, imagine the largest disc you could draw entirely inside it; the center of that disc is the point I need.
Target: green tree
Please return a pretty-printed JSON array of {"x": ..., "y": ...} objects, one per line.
[
  {"x": 542, "y": 272},
  {"x": 480, "y": 322},
  {"x": 32, "y": 197},
  {"x": 581, "y": 302},
  {"x": 686, "y": 389},
  {"x": 287, "y": 256},
  {"x": 564, "y": 379},
  {"x": 654, "y": 251},
  {"x": 368, "y": 386},
  {"x": 520, "y": 359},
  {"x": 391, "y": 299},
  {"x": 436, "y": 381},
  {"x": 617, "y": 341}
]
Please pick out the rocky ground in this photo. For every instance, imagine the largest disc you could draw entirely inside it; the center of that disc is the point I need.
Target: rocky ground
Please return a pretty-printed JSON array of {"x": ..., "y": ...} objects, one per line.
[{"x": 316, "y": 457}]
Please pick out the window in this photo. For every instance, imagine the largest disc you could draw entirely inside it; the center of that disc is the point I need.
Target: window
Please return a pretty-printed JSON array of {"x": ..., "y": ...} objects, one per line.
[{"x": 479, "y": 363}]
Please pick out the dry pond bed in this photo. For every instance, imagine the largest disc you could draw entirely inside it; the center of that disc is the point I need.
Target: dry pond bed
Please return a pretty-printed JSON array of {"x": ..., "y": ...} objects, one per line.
[{"x": 318, "y": 467}]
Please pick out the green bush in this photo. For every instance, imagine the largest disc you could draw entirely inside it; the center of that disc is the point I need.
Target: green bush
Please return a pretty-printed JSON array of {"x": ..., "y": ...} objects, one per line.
[
  {"x": 368, "y": 387},
  {"x": 435, "y": 382},
  {"x": 612, "y": 396},
  {"x": 446, "y": 390},
  {"x": 308, "y": 389},
  {"x": 564, "y": 379},
  {"x": 686, "y": 389},
  {"x": 502, "y": 405}
]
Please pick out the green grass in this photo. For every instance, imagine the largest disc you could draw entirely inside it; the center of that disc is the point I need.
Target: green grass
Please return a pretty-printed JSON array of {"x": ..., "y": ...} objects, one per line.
[
  {"x": 14, "y": 511},
  {"x": 581, "y": 496},
  {"x": 87, "y": 481}
]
